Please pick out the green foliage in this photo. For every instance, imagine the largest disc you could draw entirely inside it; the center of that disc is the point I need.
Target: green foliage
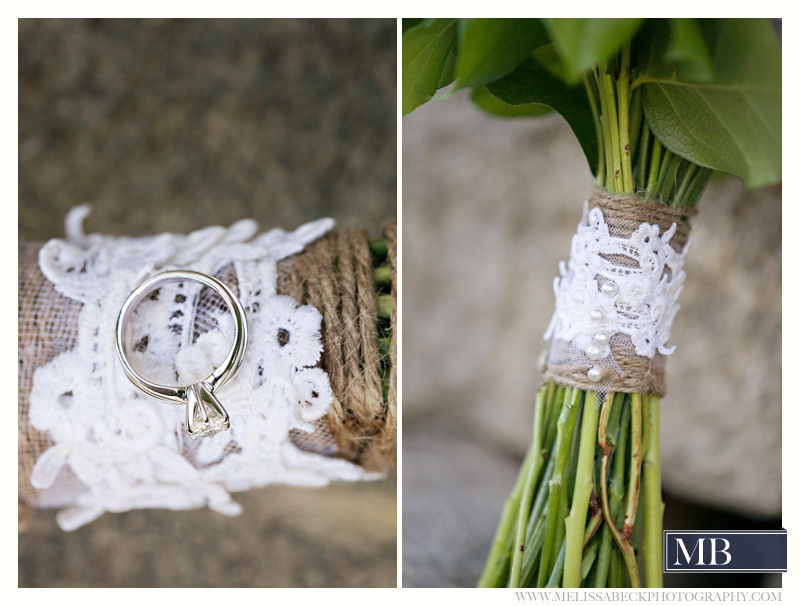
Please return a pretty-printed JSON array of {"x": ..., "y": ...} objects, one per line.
[
  {"x": 708, "y": 91},
  {"x": 409, "y": 23},
  {"x": 731, "y": 122},
  {"x": 687, "y": 51},
  {"x": 584, "y": 43},
  {"x": 491, "y": 48},
  {"x": 492, "y": 105},
  {"x": 426, "y": 47},
  {"x": 532, "y": 83}
]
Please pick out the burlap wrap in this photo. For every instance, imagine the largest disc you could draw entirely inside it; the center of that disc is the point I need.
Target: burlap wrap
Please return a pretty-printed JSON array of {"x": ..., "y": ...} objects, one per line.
[
  {"x": 334, "y": 274},
  {"x": 639, "y": 374}
]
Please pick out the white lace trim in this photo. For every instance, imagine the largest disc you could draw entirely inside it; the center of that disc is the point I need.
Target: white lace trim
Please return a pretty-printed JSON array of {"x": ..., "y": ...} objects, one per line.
[
  {"x": 597, "y": 295},
  {"x": 129, "y": 450}
]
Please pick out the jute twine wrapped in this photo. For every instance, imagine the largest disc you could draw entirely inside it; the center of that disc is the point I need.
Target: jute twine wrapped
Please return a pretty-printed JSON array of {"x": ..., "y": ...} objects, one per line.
[
  {"x": 333, "y": 274},
  {"x": 624, "y": 214}
]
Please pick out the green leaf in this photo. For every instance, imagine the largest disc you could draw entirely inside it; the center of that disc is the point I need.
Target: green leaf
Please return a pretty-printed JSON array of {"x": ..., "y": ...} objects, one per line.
[
  {"x": 584, "y": 43},
  {"x": 426, "y": 47},
  {"x": 449, "y": 70},
  {"x": 731, "y": 123},
  {"x": 532, "y": 83},
  {"x": 491, "y": 48},
  {"x": 548, "y": 57},
  {"x": 409, "y": 23},
  {"x": 688, "y": 50},
  {"x": 491, "y": 104}
]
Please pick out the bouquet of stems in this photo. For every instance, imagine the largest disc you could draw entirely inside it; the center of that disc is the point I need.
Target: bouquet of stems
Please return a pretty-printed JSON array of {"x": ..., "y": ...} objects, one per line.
[{"x": 657, "y": 106}]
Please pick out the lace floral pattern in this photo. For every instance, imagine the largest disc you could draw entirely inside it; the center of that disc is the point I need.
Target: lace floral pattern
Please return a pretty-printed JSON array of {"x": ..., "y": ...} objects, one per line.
[
  {"x": 618, "y": 285},
  {"x": 129, "y": 450}
]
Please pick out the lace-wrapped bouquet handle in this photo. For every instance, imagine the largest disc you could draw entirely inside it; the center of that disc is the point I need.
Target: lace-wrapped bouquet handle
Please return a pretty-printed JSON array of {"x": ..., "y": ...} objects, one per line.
[
  {"x": 313, "y": 400},
  {"x": 654, "y": 114}
]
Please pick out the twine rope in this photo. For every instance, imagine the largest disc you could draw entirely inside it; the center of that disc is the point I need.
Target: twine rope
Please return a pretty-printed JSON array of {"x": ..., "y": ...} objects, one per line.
[
  {"x": 334, "y": 274},
  {"x": 625, "y": 214}
]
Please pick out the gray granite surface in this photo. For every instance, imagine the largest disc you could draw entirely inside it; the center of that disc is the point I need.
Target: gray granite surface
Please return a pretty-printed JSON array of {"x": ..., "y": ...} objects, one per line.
[
  {"x": 342, "y": 535},
  {"x": 170, "y": 125}
]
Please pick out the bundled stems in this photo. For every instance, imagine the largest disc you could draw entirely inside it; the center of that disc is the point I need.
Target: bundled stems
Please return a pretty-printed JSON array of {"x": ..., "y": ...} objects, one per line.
[
  {"x": 527, "y": 494},
  {"x": 564, "y": 432},
  {"x": 584, "y": 477},
  {"x": 653, "y": 505},
  {"x": 571, "y": 520}
]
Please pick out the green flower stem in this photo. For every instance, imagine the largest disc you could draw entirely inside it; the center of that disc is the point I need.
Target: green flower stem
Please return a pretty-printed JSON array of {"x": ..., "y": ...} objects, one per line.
[
  {"x": 642, "y": 155},
  {"x": 589, "y": 558},
  {"x": 527, "y": 493},
  {"x": 382, "y": 275},
  {"x": 613, "y": 128},
  {"x": 622, "y": 539},
  {"x": 606, "y": 447},
  {"x": 603, "y": 558},
  {"x": 617, "y": 572},
  {"x": 535, "y": 541},
  {"x": 668, "y": 183},
  {"x": 385, "y": 307},
  {"x": 653, "y": 505},
  {"x": 688, "y": 174},
  {"x": 560, "y": 393},
  {"x": 636, "y": 130},
  {"x": 558, "y": 567},
  {"x": 595, "y": 519},
  {"x": 608, "y": 437},
  {"x": 549, "y": 401},
  {"x": 537, "y": 526},
  {"x": 605, "y": 127},
  {"x": 591, "y": 93},
  {"x": 666, "y": 159},
  {"x": 636, "y": 464},
  {"x": 564, "y": 431},
  {"x": 384, "y": 345},
  {"x": 568, "y": 486},
  {"x": 623, "y": 100},
  {"x": 379, "y": 248},
  {"x": 576, "y": 521},
  {"x": 498, "y": 557},
  {"x": 697, "y": 185},
  {"x": 611, "y": 492},
  {"x": 655, "y": 163}
]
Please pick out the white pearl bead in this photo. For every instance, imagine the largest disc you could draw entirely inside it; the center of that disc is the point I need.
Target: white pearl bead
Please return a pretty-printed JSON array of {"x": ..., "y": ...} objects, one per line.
[
  {"x": 609, "y": 289},
  {"x": 597, "y": 315},
  {"x": 594, "y": 374},
  {"x": 594, "y": 352},
  {"x": 601, "y": 339}
]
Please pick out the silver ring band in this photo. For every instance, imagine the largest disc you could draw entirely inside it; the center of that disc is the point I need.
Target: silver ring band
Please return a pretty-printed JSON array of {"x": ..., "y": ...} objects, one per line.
[{"x": 205, "y": 416}]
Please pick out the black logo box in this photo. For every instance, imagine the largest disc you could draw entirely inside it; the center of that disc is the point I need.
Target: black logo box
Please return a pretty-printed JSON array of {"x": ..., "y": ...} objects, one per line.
[{"x": 725, "y": 551}]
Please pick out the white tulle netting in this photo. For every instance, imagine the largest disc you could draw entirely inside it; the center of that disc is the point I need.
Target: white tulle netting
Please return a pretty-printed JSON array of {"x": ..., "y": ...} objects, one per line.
[
  {"x": 111, "y": 447},
  {"x": 616, "y": 300}
]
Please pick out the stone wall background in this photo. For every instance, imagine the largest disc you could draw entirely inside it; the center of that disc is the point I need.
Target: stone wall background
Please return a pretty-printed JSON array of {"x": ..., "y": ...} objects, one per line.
[{"x": 174, "y": 125}]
